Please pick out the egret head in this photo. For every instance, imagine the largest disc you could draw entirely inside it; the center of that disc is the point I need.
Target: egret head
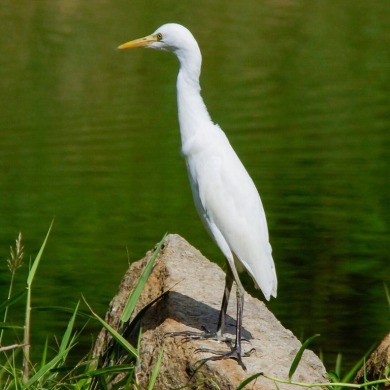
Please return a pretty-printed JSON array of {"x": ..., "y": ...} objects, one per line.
[{"x": 170, "y": 37}]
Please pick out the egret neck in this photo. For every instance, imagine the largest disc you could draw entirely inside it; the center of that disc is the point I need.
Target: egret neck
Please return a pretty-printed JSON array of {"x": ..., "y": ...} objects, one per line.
[{"x": 192, "y": 111}]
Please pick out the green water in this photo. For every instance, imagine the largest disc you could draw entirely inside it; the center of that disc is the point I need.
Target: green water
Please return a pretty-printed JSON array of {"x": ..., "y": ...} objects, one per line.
[{"x": 89, "y": 135}]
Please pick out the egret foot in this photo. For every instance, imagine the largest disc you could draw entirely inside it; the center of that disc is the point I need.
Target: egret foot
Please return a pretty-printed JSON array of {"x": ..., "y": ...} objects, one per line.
[
  {"x": 205, "y": 335},
  {"x": 234, "y": 353}
]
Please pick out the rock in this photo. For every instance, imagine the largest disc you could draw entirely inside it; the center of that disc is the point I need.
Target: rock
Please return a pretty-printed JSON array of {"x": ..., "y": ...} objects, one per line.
[
  {"x": 195, "y": 288},
  {"x": 377, "y": 364}
]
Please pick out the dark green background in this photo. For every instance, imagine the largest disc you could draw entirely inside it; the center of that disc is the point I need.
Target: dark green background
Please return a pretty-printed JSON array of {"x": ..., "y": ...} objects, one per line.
[{"x": 89, "y": 135}]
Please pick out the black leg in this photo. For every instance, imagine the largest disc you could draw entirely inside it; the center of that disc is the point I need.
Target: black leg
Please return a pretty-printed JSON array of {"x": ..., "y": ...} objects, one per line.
[
  {"x": 218, "y": 335},
  {"x": 240, "y": 311},
  {"x": 222, "y": 314},
  {"x": 236, "y": 350}
]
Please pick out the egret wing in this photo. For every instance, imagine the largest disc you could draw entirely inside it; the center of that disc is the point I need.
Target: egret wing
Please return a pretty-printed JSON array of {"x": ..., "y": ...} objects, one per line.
[{"x": 229, "y": 205}]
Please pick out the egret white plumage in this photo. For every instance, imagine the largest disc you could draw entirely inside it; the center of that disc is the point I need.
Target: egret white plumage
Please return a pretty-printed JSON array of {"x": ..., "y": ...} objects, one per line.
[{"x": 224, "y": 194}]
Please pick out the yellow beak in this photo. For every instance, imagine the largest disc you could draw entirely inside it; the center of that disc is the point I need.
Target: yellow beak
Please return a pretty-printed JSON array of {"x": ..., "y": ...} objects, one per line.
[{"x": 141, "y": 42}]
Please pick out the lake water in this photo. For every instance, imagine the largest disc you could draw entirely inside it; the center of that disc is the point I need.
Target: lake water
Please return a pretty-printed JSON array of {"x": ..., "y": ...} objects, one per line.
[{"x": 89, "y": 135}]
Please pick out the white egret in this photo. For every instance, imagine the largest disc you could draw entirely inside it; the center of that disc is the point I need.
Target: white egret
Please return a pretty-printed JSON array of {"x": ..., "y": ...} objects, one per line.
[{"x": 224, "y": 194}]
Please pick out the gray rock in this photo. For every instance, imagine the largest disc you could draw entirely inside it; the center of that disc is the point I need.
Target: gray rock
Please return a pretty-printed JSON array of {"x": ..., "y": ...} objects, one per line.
[
  {"x": 195, "y": 288},
  {"x": 377, "y": 364}
]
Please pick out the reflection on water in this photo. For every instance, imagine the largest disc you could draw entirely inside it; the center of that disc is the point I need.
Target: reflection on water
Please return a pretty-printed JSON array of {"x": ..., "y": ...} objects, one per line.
[{"x": 90, "y": 136}]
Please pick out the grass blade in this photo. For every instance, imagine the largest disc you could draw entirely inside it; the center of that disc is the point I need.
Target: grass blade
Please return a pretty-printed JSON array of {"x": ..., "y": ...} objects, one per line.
[
  {"x": 44, "y": 353},
  {"x": 387, "y": 294},
  {"x": 248, "y": 380},
  {"x": 107, "y": 371},
  {"x": 15, "y": 298},
  {"x": 135, "y": 294},
  {"x": 7, "y": 325},
  {"x": 360, "y": 363},
  {"x": 65, "y": 342},
  {"x": 120, "y": 340},
  {"x": 155, "y": 371},
  {"x": 63, "y": 309},
  {"x": 46, "y": 368},
  {"x": 337, "y": 369},
  {"x": 26, "y": 337},
  {"x": 298, "y": 356},
  {"x": 38, "y": 258}
]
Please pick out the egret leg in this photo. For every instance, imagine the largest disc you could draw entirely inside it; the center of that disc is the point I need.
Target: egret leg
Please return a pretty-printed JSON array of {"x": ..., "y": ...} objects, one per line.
[
  {"x": 240, "y": 311},
  {"x": 225, "y": 300},
  {"x": 236, "y": 351},
  {"x": 218, "y": 335}
]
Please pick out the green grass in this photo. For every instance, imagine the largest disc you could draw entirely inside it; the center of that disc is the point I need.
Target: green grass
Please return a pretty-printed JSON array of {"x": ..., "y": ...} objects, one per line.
[
  {"x": 17, "y": 371},
  {"x": 53, "y": 370}
]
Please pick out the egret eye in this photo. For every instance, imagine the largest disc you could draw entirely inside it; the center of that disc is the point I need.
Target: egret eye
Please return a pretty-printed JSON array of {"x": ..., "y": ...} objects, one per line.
[{"x": 159, "y": 36}]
